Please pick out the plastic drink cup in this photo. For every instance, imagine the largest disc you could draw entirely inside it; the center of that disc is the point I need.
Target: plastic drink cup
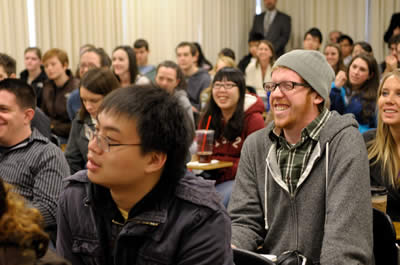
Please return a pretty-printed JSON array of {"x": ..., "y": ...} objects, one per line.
[{"x": 205, "y": 144}]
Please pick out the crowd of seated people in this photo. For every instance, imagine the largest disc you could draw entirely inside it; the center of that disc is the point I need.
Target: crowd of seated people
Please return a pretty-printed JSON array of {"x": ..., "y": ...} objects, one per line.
[{"x": 102, "y": 155}]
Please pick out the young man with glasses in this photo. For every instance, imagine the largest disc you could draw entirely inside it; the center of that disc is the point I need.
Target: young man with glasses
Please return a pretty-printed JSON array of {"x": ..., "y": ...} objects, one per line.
[
  {"x": 302, "y": 182},
  {"x": 136, "y": 203}
]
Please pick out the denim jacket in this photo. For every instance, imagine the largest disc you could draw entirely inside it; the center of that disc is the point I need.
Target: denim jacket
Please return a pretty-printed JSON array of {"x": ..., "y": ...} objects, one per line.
[{"x": 187, "y": 226}]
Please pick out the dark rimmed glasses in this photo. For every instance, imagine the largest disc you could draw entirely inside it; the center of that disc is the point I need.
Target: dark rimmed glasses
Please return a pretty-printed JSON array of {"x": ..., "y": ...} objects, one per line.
[{"x": 284, "y": 86}]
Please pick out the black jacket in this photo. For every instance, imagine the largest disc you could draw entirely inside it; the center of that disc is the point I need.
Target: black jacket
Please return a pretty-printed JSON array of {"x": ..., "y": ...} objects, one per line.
[
  {"x": 279, "y": 30},
  {"x": 393, "y": 202},
  {"x": 244, "y": 62},
  {"x": 186, "y": 226},
  {"x": 10, "y": 255},
  {"x": 37, "y": 84}
]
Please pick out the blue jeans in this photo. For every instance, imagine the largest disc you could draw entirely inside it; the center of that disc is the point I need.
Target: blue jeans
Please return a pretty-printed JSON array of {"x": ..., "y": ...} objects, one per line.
[{"x": 225, "y": 189}]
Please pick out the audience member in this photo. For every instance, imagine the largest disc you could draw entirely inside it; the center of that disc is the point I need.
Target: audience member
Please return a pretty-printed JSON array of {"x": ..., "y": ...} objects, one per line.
[
  {"x": 286, "y": 195},
  {"x": 222, "y": 61},
  {"x": 254, "y": 40},
  {"x": 384, "y": 142},
  {"x": 274, "y": 25},
  {"x": 8, "y": 69},
  {"x": 29, "y": 161},
  {"x": 142, "y": 51},
  {"x": 94, "y": 86},
  {"x": 259, "y": 72},
  {"x": 333, "y": 55},
  {"x": 346, "y": 45},
  {"x": 56, "y": 90},
  {"x": 170, "y": 78},
  {"x": 312, "y": 39},
  {"x": 137, "y": 204},
  {"x": 125, "y": 67},
  {"x": 90, "y": 58},
  {"x": 197, "y": 79},
  {"x": 394, "y": 27},
  {"x": 82, "y": 50},
  {"x": 22, "y": 238},
  {"x": 355, "y": 91},
  {"x": 334, "y": 36},
  {"x": 392, "y": 60},
  {"x": 228, "y": 52},
  {"x": 8, "y": 66},
  {"x": 200, "y": 58},
  {"x": 362, "y": 47},
  {"x": 235, "y": 115},
  {"x": 34, "y": 73}
]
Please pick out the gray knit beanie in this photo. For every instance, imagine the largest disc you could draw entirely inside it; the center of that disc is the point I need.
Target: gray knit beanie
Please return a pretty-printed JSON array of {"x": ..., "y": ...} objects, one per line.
[{"x": 312, "y": 67}]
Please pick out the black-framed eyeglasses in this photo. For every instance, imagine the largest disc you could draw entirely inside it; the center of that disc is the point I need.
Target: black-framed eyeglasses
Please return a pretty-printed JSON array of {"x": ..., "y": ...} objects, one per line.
[
  {"x": 227, "y": 86},
  {"x": 102, "y": 142},
  {"x": 284, "y": 86}
]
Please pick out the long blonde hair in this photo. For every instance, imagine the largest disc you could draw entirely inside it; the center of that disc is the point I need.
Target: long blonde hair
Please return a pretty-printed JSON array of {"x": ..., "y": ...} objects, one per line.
[{"x": 383, "y": 148}]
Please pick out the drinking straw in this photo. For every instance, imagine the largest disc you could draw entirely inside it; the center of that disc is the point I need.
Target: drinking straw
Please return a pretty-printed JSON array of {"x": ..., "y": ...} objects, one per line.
[{"x": 205, "y": 135}]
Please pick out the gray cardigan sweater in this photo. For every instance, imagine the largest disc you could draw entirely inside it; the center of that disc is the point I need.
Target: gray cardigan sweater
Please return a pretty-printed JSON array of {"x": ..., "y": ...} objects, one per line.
[{"x": 329, "y": 217}]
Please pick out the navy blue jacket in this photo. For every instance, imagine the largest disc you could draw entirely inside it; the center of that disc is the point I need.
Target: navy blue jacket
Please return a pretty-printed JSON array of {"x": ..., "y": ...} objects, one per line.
[
  {"x": 188, "y": 225},
  {"x": 337, "y": 98}
]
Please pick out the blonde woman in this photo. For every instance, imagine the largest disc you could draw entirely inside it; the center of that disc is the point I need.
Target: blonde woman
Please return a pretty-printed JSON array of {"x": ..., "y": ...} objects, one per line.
[{"x": 384, "y": 143}]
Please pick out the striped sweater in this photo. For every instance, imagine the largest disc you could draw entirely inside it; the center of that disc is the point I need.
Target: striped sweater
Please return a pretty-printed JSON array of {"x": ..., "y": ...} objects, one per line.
[{"x": 35, "y": 168}]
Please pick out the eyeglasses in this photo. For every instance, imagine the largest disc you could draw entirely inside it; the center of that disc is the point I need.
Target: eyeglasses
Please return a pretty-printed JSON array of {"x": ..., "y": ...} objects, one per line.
[
  {"x": 227, "y": 86},
  {"x": 102, "y": 142},
  {"x": 284, "y": 86}
]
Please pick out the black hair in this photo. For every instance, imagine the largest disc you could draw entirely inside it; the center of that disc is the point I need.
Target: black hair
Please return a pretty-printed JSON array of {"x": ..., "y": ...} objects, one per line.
[
  {"x": 314, "y": 32},
  {"x": 255, "y": 36},
  {"x": 234, "y": 127},
  {"x": 140, "y": 43},
  {"x": 161, "y": 123},
  {"x": 24, "y": 93},
  {"x": 346, "y": 37},
  {"x": 133, "y": 69},
  {"x": 394, "y": 40},
  {"x": 365, "y": 46},
  {"x": 179, "y": 74},
  {"x": 202, "y": 60},
  {"x": 228, "y": 52}
]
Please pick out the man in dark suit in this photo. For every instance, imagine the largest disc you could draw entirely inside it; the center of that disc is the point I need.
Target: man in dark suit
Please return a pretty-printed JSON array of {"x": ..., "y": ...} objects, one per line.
[{"x": 274, "y": 25}]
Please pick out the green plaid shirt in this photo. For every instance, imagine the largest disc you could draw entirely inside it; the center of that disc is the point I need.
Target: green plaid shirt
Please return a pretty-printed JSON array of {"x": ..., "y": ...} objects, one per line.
[{"x": 293, "y": 159}]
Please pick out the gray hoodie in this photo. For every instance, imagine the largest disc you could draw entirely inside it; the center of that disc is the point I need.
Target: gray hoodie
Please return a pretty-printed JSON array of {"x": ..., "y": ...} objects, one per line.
[{"x": 329, "y": 216}]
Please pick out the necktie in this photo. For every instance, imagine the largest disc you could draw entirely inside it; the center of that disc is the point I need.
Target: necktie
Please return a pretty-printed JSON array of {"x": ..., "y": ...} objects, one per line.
[{"x": 267, "y": 22}]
